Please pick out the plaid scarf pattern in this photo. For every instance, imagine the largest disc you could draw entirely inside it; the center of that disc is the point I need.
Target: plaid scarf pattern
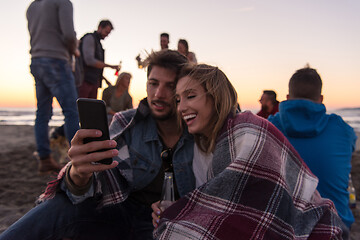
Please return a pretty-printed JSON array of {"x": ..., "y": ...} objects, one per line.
[{"x": 260, "y": 188}]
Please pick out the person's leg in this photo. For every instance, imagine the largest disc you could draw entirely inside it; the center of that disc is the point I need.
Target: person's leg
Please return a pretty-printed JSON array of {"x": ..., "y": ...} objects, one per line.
[
  {"x": 85, "y": 90},
  {"x": 44, "y": 107},
  {"x": 46, "y": 221},
  {"x": 94, "y": 91},
  {"x": 62, "y": 86},
  {"x": 58, "y": 218},
  {"x": 141, "y": 220},
  {"x": 126, "y": 221}
]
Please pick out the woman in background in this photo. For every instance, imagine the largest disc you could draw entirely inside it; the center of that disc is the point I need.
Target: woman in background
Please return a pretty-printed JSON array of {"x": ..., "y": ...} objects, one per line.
[
  {"x": 117, "y": 98},
  {"x": 256, "y": 185},
  {"x": 183, "y": 48}
]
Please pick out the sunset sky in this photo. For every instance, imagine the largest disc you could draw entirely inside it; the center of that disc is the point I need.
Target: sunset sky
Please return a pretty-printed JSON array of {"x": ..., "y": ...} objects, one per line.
[{"x": 257, "y": 43}]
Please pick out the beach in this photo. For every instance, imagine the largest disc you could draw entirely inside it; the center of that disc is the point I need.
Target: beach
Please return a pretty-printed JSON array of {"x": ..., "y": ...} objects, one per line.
[{"x": 20, "y": 185}]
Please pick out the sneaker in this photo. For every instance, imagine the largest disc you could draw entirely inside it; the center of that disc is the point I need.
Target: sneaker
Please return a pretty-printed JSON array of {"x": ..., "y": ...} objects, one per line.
[{"x": 48, "y": 165}]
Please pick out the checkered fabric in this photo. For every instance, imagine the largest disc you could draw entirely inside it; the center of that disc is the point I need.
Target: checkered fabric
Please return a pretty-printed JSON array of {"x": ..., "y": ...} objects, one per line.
[{"x": 260, "y": 188}]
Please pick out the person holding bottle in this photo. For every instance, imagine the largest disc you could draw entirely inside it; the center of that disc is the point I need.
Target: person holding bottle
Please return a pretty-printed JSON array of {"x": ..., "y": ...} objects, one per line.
[
  {"x": 93, "y": 56},
  {"x": 257, "y": 185},
  {"x": 164, "y": 45},
  {"x": 352, "y": 194}
]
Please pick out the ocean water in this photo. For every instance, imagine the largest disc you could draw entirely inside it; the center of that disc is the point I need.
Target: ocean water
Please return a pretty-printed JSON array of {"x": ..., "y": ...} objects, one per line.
[
  {"x": 350, "y": 115},
  {"x": 26, "y": 116}
]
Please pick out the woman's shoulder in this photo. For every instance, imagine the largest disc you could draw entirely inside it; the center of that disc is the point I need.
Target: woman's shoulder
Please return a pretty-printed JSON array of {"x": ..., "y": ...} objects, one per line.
[
  {"x": 246, "y": 122},
  {"x": 109, "y": 89},
  {"x": 246, "y": 117},
  {"x": 191, "y": 57}
]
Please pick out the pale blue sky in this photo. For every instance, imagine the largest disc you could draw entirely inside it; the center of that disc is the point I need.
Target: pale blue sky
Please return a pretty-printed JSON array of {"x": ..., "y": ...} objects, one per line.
[{"x": 257, "y": 43}]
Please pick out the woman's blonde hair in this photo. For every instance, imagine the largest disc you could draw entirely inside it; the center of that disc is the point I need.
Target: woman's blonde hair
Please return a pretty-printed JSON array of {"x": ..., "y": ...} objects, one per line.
[
  {"x": 121, "y": 77},
  {"x": 219, "y": 88}
]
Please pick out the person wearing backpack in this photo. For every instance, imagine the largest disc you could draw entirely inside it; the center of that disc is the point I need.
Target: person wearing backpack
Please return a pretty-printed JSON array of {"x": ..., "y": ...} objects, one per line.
[{"x": 93, "y": 56}]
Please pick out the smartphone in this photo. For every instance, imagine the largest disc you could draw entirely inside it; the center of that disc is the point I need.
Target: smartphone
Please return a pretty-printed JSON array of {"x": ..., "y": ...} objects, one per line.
[{"x": 93, "y": 115}]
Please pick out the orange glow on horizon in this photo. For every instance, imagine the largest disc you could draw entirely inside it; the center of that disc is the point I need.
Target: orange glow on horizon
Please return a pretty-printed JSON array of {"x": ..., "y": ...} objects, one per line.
[{"x": 247, "y": 102}]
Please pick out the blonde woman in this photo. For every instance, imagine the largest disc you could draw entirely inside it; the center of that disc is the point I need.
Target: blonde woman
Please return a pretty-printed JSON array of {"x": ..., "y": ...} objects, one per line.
[
  {"x": 183, "y": 48},
  {"x": 257, "y": 185},
  {"x": 117, "y": 98}
]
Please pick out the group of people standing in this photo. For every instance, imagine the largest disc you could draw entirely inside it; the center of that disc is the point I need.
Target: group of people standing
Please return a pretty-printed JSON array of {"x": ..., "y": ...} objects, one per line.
[
  {"x": 182, "y": 47},
  {"x": 236, "y": 175},
  {"x": 53, "y": 46}
]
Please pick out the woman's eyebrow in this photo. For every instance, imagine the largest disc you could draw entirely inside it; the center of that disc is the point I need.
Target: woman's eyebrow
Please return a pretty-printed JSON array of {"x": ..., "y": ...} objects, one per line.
[
  {"x": 190, "y": 90},
  {"x": 187, "y": 91}
]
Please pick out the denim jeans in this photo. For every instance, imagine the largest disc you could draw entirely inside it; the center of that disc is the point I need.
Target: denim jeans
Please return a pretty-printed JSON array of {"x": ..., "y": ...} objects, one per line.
[
  {"x": 58, "y": 218},
  {"x": 53, "y": 78}
]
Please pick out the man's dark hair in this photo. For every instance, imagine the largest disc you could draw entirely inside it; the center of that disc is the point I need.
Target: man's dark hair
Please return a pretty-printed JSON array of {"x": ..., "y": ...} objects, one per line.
[
  {"x": 271, "y": 95},
  {"x": 165, "y": 35},
  {"x": 105, "y": 23},
  {"x": 305, "y": 83},
  {"x": 168, "y": 59}
]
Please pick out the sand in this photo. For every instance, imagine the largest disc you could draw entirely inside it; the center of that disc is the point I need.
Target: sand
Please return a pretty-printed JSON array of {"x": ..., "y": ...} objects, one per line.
[
  {"x": 20, "y": 185},
  {"x": 19, "y": 182}
]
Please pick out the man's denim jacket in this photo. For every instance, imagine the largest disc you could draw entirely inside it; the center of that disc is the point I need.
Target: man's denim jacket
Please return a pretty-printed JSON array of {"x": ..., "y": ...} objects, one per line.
[{"x": 139, "y": 159}]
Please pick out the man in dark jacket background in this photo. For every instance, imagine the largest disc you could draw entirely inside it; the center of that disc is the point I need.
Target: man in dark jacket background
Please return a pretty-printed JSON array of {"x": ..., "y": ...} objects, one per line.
[{"x": 93, "y": 55}]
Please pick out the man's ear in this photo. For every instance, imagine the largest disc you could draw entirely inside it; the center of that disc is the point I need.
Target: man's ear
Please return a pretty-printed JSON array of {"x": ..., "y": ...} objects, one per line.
[
  {"x": 321, "y": 99},
  {"x": 287, "y": 97}
]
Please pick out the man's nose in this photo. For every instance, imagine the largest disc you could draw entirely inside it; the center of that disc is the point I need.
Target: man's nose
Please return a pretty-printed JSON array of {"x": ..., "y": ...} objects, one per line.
[{"x": 160, "y": 92}]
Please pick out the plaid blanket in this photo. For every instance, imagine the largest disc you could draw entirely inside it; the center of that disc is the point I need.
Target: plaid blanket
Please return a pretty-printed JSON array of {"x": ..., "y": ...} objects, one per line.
[{"x": 260, "y": 189}]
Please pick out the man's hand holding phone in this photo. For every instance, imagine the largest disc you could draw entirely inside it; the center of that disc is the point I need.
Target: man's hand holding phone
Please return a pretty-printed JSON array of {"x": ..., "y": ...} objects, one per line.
[
  {"x": 84, "y": 156},
  {"x": 91, "y": 150}
]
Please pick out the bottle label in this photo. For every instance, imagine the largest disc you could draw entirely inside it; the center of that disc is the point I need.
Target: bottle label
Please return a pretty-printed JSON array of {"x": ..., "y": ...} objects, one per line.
[
  {"x": 165, "y": 204},
  {"x": 352, "y": 200}
]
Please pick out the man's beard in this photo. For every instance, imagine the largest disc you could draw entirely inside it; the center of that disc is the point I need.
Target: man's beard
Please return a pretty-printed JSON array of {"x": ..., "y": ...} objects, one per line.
[
  {"x": 264, "y": 108},
  {"x": 167, "y": 116}
]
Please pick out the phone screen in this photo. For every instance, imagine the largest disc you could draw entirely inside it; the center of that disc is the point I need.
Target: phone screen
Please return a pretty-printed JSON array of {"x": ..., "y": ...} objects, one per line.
[{"x": 93, "y": 115}]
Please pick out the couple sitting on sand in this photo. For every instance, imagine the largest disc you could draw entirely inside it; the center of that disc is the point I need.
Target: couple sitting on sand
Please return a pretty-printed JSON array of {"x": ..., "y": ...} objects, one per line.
[{"x": 237, "y": 176}]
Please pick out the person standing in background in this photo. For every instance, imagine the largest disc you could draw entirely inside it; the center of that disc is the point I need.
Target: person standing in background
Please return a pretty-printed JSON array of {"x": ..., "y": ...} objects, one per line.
[
  {"x": 94, "y": 56},
  {"x": 183, "y": 48},
  {"x": 53, "y": 42},
  {"x": 164, "y": 45},
  {"x": 164, "y": 41}
]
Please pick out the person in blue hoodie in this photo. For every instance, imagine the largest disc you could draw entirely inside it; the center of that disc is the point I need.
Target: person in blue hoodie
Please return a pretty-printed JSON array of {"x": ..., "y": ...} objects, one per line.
[{"x": 324, "y": 141}]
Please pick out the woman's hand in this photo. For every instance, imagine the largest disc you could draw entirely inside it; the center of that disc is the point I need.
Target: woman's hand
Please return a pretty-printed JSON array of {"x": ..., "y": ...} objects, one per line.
[
  {"x": 83, "y": 156},
  {"x": 156, "y": 213}
]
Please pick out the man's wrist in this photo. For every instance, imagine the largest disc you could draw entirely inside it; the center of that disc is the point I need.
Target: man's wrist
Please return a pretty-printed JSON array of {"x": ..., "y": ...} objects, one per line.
[{"x": 74, "y": 188}]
